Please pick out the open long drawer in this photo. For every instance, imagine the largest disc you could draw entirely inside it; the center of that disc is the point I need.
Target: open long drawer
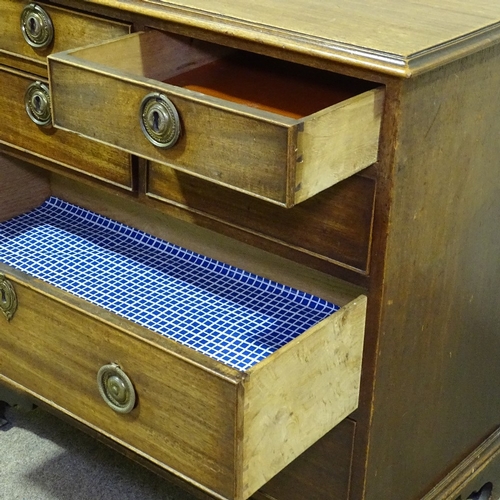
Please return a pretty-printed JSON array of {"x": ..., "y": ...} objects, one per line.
[
  {"x": 273, "y": 129},
  {"x": 211, "y": 372}
]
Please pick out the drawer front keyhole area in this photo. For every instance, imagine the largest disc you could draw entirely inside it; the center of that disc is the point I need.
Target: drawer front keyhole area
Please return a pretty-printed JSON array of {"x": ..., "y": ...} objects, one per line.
[
  {"x": 37, "y": 103},
  {"x": 36, "y": 26},
  {"x": 159, "y": 120},
  {"x": 8, "y": 298}
]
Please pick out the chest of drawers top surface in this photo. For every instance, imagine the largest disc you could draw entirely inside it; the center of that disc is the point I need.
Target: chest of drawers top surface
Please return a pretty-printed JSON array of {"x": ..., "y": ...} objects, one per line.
[{"x": 390, "y": 36}]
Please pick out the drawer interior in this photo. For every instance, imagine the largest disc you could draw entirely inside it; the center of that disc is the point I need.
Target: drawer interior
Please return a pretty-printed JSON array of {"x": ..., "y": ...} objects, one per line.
[
  {"x": 268, "y": 84},
  {"x": 228, "y": 314},
  {"x": 261, "y": 82}
]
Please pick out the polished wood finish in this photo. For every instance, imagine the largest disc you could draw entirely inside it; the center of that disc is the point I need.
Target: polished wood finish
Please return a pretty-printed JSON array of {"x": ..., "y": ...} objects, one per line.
[
  {"x": 71, "y": 29},
  {"x": 66, "y": 149},
  {"x": 418, "y": 229},
  {"x": 390, "y": 37},
  {"x": 311, "y": 475},
  {"x": 436, "y": 25},
  {"x": 287, "y": 160},
  {"x": 22, "y": 188},
  {"x": 335, "y": 225},
  {"x": 441, "y": 277}
]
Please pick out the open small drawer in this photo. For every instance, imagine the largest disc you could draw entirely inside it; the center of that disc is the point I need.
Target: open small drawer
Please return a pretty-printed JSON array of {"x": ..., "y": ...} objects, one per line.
[
  {"x": 211, "y": 372},
  {"x": 273, "y": 129}
]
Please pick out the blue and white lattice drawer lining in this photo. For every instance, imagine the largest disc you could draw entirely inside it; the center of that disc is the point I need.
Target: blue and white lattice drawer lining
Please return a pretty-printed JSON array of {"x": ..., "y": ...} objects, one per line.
[{"x": 224, "y": 312}]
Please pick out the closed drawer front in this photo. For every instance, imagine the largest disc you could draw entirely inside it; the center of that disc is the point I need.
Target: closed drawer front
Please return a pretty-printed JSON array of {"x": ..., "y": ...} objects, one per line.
[
  {"x": 335, "y": 225},
  {"x": 315, "y": 475},
  {"x": 226, "y": 427},
  {"x": 63, "y": 29},
  {"x": 275, "y": 130},
  {"x": 66, "y": 149}
]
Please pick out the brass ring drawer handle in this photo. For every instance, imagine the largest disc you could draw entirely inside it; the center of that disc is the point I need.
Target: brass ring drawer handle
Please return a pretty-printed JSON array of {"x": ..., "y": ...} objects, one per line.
[
  {"x": 159, "y": 120},
  {"x": 116, "y": 388},
  {"x": 8, "y": 298},
  {"x": 36, "y": 26},
  {"x": 37, "y": 103}
]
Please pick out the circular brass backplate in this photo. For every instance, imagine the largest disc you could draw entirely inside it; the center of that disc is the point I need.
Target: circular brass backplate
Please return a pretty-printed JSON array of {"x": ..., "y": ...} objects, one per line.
[
  {"x": 159, "y": 120},
  {"x": 36, "y": 26},
  {"x": 8, "y": 298},
  {"x": 37, "y": 103},
  {"x": 116, "y": 388}
]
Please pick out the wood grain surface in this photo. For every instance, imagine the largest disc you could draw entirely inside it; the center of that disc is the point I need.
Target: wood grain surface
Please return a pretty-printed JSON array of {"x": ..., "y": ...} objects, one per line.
[
  {"x": 66, "y": 149},
  {"x": 388, "y": 36},
  {"x": 301, "y": 392},
  {"x": 335, "y": 225},
  {"x": 435, "y": 375},
  {"x": 22, "y": 187},
  {"x": 72, "y": 29},
  {"x": 390, "y": 26}
]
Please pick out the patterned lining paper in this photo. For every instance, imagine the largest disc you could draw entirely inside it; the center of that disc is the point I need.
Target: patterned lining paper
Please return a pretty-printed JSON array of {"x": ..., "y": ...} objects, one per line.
[{"x": 226, "y": 313}]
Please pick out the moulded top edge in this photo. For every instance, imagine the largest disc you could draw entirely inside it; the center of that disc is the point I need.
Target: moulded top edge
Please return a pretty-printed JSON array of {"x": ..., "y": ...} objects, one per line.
[{"x": 385, "y": 36}]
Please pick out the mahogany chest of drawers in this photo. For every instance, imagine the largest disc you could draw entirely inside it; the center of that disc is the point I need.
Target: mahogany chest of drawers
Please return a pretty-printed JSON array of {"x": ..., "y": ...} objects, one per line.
[{"x": 255, "y": 247}]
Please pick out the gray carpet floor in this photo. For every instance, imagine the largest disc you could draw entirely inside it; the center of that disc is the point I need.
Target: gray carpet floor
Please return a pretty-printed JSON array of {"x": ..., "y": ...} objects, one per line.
[{"x": 43, "y": 458}]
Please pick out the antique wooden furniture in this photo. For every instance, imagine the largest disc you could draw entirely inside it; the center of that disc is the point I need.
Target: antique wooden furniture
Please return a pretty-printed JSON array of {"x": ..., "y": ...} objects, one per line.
[{"x": 349, "y": 150}]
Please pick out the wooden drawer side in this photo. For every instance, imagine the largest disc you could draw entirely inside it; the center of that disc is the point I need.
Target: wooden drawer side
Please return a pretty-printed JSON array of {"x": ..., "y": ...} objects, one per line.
[
  {"x": 300, "y": 393},
  {"x": 334, "y": 145}
]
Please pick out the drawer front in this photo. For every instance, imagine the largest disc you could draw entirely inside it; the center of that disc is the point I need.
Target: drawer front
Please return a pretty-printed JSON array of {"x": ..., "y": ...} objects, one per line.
[
  {"x": 269, "y": 150},
  {"x": 335, "y": 225},
  {"x": 185, "y": 417},
  {"x": 66, "y": 149},
  {"x": 70, "y": 29}
]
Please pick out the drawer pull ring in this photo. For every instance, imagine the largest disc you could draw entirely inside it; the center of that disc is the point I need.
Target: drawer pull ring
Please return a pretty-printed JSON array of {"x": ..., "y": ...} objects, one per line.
[
  {"x": 8, "y": 298},
  {"x": 37, "y": 103},
  {"x": 159, "y": 120},
  {"x": 36, "y": 26},
  {"x": 116, "y": 388}
]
